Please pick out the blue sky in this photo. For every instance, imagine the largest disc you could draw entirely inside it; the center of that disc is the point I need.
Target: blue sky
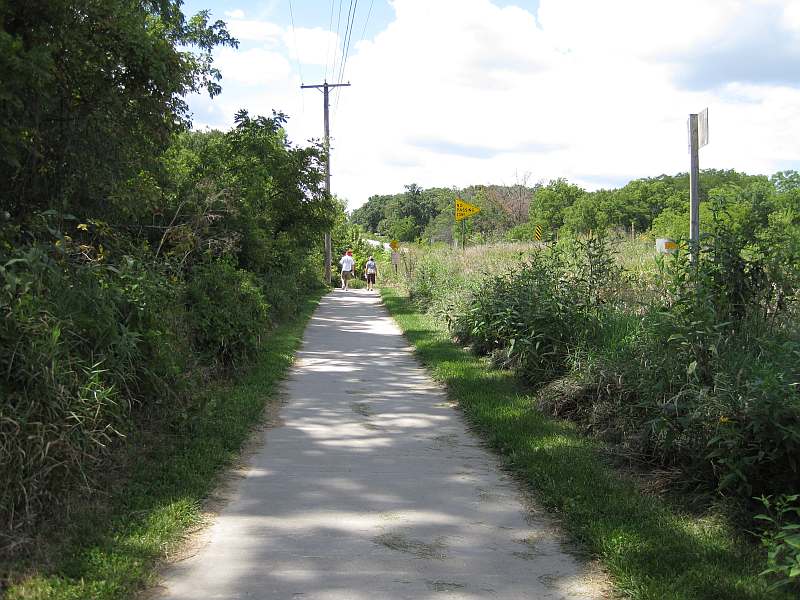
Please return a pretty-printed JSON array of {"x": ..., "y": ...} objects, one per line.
[{"x": 459, "y": 92}]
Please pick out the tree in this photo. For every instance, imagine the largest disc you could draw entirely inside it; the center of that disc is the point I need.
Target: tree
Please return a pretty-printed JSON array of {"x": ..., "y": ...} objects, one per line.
[
  {"x": 515, "y": 199},
  {"x": 93, "y": 92},
  {"x": 550, "y": 201},
  {"x": 785, "y": 181},
  {"x": 370, "y": 214}
]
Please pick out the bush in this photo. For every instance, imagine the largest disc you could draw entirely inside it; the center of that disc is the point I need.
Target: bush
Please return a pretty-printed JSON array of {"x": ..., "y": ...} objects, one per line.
[
  {"x": 781, "y": 538},
  {"x": 73, "y": 366},
  {"x": 228, "y": 312},
  {"x": 691, "y": 367}
]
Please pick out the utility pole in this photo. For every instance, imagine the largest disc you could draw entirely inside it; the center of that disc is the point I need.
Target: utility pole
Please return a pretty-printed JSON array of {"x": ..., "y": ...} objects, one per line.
[
  {"x": 694, "y": 187},
  {"x": 325, "y": 87},
  {"x": 698, "y": 137}
]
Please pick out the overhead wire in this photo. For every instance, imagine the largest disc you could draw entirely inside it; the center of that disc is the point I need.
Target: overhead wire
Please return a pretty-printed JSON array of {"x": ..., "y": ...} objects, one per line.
[
  {"x": 363, "y": 34},
  {"x": 297, "y": 59},
  {"x": 369, "y": 12},
  {"x": 296, "y": 47},
  {"x": 338, "y": 30},
  {"x": 346, "y": 48},
  {"x": 328, "y": 45}
]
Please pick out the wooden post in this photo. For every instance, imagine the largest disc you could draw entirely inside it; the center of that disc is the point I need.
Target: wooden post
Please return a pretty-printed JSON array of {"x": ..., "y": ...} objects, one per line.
[
  {"x": 325, "y": 91},
  {"x": 694, "y": 187}
]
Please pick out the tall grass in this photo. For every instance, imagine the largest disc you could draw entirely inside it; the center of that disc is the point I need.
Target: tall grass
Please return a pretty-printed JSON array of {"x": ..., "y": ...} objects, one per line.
[
  {"x": 92, "y": 351},
  {"x": 109, "y": 548}
]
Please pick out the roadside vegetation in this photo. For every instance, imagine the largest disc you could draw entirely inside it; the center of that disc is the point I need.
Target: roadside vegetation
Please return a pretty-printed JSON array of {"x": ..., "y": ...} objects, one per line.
[
  {"x": 684, "y": 376},
  {"x": 141, "y": 264},
  {"x": 110, "y": 545},
  {"x": 685, "y": 371}
]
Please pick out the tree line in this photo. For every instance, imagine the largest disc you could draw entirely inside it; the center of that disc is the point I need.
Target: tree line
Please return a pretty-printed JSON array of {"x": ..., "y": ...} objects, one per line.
[{"x": 656, "y": 206}]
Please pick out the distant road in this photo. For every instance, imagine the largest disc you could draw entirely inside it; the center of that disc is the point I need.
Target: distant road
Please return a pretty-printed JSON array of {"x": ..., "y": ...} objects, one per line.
[{"x": 379, "y": 244}]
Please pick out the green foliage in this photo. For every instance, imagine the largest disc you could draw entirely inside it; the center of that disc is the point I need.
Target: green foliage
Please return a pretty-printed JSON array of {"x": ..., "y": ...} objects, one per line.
[
  {"x": 228, "y": 311},
  {"x": 75, "y": 364},
  {"x": 656, "y": 207},
  {"x": 781, "y": 537},
  {"x": 691, "y": 366},
  {"x": 549, "y": 203},
  {"x": 649, "y": 547},
  {"x": 92, "y": 93},
  {"x": 137, "y": 260},
  {"x": 522, "y": 233},
  {"x": 109, "y": 548}
]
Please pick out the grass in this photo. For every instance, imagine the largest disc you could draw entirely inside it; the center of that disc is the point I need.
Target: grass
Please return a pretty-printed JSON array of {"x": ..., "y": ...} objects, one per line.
[
  {"x": 650, "y": 548},
  {"x": 112, "y": 551}
]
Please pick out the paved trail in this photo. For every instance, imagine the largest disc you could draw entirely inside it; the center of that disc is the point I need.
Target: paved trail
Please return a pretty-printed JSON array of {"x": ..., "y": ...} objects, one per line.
[{"x": 370, "y": 487}]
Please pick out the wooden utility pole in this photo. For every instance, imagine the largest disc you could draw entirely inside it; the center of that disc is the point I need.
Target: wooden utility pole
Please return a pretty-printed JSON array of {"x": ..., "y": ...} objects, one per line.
[
  {"x": 694, "y": 187},
  {"x": 698, "y": 137},
  {"x": 325, "y": 87}
]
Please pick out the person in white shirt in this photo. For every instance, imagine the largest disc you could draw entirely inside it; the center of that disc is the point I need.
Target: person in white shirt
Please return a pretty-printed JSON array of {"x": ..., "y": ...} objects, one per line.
[{"x": 348, "y": 268}]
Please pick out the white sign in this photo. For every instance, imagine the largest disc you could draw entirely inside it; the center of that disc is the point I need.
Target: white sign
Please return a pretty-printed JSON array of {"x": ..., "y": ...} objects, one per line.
[
  {"x": 666, "y": 246},
  {"x": 702, "y": 128},
  {"x": 395, "y": 258}
]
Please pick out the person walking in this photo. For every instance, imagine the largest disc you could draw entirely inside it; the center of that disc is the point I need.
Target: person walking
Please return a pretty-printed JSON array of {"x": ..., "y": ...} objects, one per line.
[
  {"x": 371, "y": 271},
  {"x": 348, "y": 268}
]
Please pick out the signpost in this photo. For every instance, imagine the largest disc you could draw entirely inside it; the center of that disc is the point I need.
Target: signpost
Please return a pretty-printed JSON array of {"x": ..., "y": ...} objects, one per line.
[
  {"x": 394, "y": 245},
  {"x": 464, "y": 210},
  {"x": 698, "y": 137}
]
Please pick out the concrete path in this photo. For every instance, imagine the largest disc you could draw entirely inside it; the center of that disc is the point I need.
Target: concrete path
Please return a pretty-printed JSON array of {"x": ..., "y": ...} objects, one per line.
[{"x": 371, "y": 487}]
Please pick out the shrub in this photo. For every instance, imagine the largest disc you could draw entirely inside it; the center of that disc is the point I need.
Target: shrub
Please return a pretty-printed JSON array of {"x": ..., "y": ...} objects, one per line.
[
  {"x": 781, "y": 538},
  {"x": 691, "y": 367},
  {"x": 71, "y": 366},
  {"x": 228, "y": 312}
]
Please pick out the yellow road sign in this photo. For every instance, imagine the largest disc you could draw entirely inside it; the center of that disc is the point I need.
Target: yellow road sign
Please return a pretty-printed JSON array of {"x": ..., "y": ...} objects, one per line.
[
  {"x": 464, "y": 209},
  {"x": 394, "y": 244},
  {"x": 537, "y": 233}
]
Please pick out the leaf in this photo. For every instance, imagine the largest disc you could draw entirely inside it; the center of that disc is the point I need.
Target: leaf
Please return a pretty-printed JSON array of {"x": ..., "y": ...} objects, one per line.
[{"x": 793, "y": 541}]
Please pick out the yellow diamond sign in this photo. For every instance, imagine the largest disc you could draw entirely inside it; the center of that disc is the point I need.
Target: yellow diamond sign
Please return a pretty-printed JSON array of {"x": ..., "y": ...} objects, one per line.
[{"x": 464, "y": 209}]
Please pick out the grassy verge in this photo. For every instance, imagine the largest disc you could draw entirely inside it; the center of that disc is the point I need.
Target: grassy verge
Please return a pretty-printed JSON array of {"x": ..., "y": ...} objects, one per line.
[
  {"x": 112, "y": 551},
  {"x": 651, "y": 549}
]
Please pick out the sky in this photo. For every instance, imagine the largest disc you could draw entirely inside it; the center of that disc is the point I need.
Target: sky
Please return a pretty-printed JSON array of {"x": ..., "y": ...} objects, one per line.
[{"x": 458, "y": 92}]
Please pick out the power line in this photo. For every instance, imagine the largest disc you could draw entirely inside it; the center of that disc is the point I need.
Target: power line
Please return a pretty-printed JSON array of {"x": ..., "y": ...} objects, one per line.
[
  {"x": 369, "y": 12},
  {"x": 338, "y": 29},
  {"x": 296, "y": 47},
  {"x": 348, "y": 36},
  {"x": 346, "y": 48},
  {"x": 328, "y": 45},
  {"x": 363, "y": 34}
]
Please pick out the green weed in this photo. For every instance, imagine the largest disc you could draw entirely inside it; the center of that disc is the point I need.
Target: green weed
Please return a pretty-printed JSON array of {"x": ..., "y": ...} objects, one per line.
[
  {"x": 109, "y": 549},
  {"x": 651, "y": 549}
]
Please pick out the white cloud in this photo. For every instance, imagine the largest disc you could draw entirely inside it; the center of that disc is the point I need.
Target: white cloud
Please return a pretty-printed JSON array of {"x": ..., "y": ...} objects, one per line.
[
  {"x": 791, "y": 15},
  {"x": 253, "y": 67},
  {"x": 246, "y": 30},
  {"x": 456, "y": 92},
  {"x": 235, "y": 14},
  {"x": 313, "y": 46}
]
